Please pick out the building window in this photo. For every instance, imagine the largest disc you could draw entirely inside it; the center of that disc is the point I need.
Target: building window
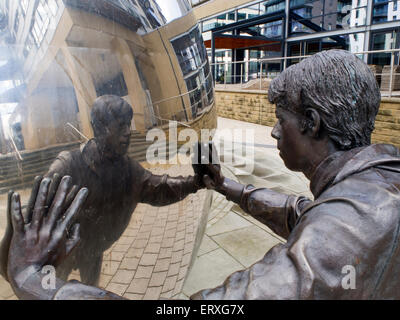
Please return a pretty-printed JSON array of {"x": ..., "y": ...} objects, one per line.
[
  {"x": 385, "y": 11},
  {"x": 383, "y": 41},
  {"x": 193, "y": 59}
]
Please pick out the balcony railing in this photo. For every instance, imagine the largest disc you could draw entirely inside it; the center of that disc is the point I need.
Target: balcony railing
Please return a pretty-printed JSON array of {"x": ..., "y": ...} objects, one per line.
[{"x": 389, "y": 80}]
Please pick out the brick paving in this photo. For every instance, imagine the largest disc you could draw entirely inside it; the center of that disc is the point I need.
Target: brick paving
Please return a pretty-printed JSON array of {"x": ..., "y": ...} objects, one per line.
[{"x": 149, "y": 260}]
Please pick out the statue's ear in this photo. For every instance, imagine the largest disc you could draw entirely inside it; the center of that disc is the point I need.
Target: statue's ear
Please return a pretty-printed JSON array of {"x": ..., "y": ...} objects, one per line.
[
  {"x": 312, "y": 123},
  {"x": 99, "y": 129}
]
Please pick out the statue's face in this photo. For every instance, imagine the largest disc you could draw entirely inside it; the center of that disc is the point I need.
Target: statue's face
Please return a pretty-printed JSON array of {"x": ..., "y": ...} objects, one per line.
[
  {"x": 117, "y": 136},
  {"x": 290, "y": 139}
]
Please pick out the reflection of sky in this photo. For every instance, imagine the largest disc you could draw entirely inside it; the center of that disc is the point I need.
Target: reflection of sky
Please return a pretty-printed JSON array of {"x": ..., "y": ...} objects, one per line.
[
  {"x": 6, "y": 109},
  {"x": 5, "y": 85},
  {"x": 170, "y": 9},
  {"x": 6, "y": 127}
]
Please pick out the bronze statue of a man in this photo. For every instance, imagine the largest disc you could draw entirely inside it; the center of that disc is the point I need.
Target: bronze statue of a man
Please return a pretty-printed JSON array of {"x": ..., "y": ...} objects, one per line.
[
  {"x": 345, "y": 243},
  {"x": 326, "y": 107},
  {"x": 116, "y": 185}
]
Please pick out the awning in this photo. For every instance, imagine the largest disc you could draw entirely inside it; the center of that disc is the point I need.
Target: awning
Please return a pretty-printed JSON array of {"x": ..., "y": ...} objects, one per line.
[{"x": 241, "y": 42}]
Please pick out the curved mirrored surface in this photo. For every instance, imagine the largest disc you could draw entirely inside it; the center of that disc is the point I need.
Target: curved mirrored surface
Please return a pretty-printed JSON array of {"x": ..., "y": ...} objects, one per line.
[{"x": 145, "y": 65}]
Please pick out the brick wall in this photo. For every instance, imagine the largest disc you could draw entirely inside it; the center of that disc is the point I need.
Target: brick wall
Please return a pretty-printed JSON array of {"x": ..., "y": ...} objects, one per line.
[
  {"x": 253, "y": 106},
  {"x": 250, "y": 106},
  {"x": 387, "y": 124}
]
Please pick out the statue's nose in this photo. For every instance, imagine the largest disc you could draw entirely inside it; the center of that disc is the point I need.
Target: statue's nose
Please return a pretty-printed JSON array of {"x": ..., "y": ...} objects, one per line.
[{"x": 275, "y": 132}]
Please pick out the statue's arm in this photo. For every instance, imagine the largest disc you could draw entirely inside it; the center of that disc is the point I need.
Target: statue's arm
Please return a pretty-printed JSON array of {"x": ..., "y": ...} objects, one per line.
[
  {"x": 161, "y": 190},
  {"x": 32, "y": 289},
  {"x": 60, "y": 166},
  {"x": 276, "y": 210}
]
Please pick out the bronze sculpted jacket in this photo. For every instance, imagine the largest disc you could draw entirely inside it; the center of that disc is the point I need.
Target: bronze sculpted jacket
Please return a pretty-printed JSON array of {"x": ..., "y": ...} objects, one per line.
[{"x": 344, "y": 245}]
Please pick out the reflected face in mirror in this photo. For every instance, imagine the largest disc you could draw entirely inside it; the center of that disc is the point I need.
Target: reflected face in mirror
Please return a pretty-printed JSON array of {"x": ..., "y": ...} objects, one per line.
[
  {"x": 111, "y": 118},
  {"x": 117, "y": 136}
]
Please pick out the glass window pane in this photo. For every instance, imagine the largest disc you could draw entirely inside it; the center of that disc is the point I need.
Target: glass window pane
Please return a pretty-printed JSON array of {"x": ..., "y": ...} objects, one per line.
[
  {"x": 272, "y": 6},
  {"x": 383, "y": 41},
  {"x": 389, "y": 11}
]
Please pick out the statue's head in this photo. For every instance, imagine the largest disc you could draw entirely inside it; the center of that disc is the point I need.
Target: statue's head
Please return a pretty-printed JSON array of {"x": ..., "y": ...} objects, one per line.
[
  {"x": 331, "y": 96},
  {"x": 111, "y": 118}
]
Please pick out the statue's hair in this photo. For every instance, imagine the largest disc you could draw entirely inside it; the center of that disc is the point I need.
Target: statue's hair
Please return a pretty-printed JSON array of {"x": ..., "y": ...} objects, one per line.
[
  {"x": 337, "y": 84},
  {"x": 106, "y": 109}
]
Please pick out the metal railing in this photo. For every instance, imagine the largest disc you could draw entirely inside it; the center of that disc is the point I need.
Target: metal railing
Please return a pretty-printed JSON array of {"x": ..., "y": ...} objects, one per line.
[
  {"x": 242, "y": 78},
  {"x": 187, "y": 109}
]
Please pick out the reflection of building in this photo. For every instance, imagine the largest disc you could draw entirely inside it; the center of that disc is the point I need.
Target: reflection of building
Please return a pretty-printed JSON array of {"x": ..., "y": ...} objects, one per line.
[
  {"x": 68, "y": 52},
  {"x": 243, "y": 29},
  {"x": 192, "y": 56},
  {"x": 394, "y": 10}
]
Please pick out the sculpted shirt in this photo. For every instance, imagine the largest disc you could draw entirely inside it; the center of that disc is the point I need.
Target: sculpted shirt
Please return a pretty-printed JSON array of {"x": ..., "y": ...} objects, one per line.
[
  {"x": 344, "y": 245},
  {"x": 115, "y": 189}
]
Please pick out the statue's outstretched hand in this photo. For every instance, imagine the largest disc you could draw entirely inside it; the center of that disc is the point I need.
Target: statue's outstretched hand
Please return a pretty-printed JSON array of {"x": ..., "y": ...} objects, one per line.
[
  {"x": 27, "y": 213},
  {"x": 206, "y": 164},
  {"x": 48, "y": 235},
  {"x": 5, "y": 243}
]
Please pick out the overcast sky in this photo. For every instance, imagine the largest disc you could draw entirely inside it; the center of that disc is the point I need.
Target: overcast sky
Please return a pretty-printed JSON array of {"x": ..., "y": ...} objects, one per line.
[{"x": 170, "y": 9}]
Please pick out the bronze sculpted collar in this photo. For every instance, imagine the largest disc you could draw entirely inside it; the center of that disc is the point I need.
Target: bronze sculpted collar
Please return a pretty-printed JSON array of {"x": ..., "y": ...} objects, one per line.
[
  {"x": 91, "y": 156},
  {"x": 98, "y": 164},
  {"x": 342, "y": 164}
]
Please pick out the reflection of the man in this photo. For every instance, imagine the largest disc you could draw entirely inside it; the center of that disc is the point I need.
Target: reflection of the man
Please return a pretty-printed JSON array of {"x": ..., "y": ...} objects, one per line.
[{"x": 116, "y": 182}]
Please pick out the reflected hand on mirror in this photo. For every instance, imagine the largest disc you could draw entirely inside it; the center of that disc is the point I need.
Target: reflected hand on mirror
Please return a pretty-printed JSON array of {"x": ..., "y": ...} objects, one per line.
[
  {"x": 46, "y": 235},
  {"x": 206, "y": 164},
  {"x": 27, "y": 213},
  {"x": 5, "y": 243}
]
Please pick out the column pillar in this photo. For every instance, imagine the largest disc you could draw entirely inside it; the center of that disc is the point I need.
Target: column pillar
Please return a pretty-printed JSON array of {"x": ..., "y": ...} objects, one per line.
[
  {"x": 133, "y": 81},
  {"x": 2, "y": 138},
  {"x": 38, "y": 127},
  {"x": 84, "y": 89}
]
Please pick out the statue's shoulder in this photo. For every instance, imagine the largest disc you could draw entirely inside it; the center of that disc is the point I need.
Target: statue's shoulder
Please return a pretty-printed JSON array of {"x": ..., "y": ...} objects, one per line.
[
  {"x": 70, "y": 155},
  {"x": 135, "y": 166}
]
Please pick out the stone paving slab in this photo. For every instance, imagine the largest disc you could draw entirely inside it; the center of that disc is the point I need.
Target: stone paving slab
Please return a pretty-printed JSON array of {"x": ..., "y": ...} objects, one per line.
[
  {"x": 246, "y": 245},
  {"x": 210, "y": 270}
]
